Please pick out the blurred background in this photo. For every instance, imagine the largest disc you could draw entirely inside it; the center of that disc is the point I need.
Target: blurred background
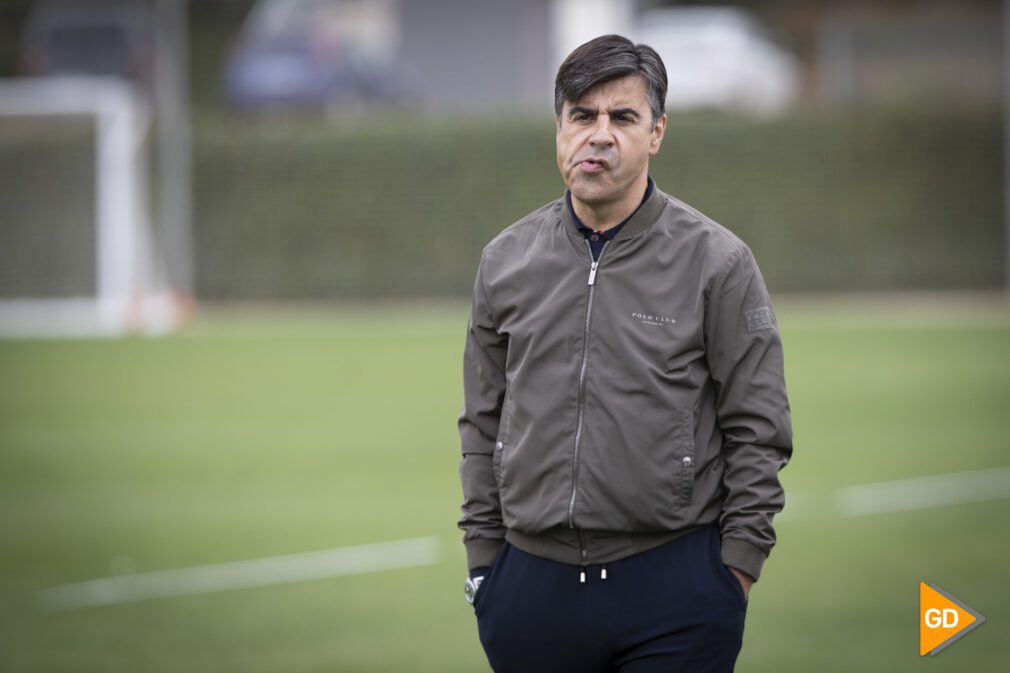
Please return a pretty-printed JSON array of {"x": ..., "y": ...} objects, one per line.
[{"x": 236, "y": 247}]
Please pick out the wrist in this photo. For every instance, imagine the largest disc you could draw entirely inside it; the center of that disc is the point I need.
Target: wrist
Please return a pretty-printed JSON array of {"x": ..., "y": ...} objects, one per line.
[{"x": 471, "y": 587}]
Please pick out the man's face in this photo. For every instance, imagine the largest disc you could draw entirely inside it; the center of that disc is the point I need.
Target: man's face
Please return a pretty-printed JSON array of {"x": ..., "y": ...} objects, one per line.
[{"x": 605, "y": 139}]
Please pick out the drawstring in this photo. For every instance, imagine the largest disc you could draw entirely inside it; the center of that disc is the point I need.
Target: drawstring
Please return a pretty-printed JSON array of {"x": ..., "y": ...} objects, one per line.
[{"x": 582, "y": 574}]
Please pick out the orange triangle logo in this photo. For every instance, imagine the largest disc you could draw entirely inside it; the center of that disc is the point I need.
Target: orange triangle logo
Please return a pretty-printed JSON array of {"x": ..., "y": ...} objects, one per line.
[{"x": 942, "y": 619}]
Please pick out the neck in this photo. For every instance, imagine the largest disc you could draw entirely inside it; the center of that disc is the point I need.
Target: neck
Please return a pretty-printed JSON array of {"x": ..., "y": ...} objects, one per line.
[{"x": 601, "y": 216}]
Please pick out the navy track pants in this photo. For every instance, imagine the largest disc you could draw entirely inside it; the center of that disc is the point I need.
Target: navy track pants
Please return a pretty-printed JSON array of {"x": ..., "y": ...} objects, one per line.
[{"x": 675, "y": 608}]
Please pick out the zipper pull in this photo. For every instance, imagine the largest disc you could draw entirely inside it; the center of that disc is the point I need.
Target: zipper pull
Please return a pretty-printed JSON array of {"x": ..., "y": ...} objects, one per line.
[
  {"x": 603, "y": 573},
  {"x": 592, "y": 272},
  {"x": 582, "y": 576}
]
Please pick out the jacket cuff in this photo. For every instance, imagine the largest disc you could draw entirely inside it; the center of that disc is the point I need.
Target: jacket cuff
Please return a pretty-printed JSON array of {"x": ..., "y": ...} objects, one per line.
[
  {"x": 480, "y": 552},
  {"x": 743, "y": 556}
]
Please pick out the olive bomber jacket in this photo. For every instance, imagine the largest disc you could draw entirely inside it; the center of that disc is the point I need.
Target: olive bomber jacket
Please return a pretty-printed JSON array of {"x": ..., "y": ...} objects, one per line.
[{"x": 610, "y": 407}]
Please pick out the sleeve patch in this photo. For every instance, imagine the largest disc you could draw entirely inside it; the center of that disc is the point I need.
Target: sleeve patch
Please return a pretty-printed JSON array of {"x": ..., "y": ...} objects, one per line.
[{"x": 759, "y": 319}]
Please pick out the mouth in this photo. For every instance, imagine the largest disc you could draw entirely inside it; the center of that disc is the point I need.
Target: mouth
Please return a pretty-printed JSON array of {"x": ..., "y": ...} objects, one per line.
[{"x": 594, "y": 165}]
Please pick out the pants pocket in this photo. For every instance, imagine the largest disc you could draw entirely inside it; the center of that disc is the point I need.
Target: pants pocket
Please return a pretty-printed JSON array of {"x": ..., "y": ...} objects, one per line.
[
  {"x": 727, "y": 575},
  {"x": 735, "y": 583},
  {"x": 485, "y": 585}
]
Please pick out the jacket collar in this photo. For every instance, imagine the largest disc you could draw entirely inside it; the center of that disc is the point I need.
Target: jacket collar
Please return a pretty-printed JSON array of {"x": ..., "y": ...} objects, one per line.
[{"x": 642, "y": 219}]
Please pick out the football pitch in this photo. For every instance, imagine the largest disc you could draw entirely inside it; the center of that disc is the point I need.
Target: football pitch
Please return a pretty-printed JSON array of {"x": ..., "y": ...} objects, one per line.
[{"x": 265, "y": 433}]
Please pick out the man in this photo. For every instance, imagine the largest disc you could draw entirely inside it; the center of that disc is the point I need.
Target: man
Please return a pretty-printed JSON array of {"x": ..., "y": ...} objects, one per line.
[{"x": 625, "y": 411}]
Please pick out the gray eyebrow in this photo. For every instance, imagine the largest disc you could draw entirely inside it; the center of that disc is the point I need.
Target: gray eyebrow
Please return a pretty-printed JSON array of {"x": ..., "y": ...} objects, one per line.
[{"x": 627, "y": 111}]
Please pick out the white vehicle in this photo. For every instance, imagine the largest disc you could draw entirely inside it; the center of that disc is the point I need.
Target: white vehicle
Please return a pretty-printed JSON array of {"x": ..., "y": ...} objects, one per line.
[{"x": 719, "y": 58}]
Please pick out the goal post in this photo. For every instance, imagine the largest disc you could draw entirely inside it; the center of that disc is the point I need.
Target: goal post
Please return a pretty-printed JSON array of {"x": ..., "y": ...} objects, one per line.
[{"x": 127, "y": 289}]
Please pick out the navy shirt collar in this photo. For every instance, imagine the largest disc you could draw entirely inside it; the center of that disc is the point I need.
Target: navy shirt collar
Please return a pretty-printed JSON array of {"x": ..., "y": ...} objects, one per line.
[{"x": 598, "y": 239}]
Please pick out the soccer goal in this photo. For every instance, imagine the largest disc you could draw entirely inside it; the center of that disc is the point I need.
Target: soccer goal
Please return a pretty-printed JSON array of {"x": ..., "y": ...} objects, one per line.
[{"x": 77, "y": 252}]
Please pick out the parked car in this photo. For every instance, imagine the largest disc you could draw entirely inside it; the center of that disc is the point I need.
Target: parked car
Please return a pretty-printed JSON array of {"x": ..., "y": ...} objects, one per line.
[
  {"x": 720, "y": 58},
  {"x": 94, "y": 38},
  {"x": 313, "y": 54}
]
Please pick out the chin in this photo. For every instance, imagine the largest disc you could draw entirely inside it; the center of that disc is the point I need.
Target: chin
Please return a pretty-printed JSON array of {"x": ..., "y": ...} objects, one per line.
[{"x": 592, "y": 197}]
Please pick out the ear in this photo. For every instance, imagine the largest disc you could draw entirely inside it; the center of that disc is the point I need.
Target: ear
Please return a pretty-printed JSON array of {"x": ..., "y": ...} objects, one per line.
[{"x": 658, "y": 131}]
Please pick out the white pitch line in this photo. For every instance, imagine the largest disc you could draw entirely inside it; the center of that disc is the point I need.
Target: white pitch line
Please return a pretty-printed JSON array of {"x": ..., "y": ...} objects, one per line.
[
  {"x": 902, "y": 495},
  {"x": 925, "y": 492},
  {"x": 242, "y": 574}
]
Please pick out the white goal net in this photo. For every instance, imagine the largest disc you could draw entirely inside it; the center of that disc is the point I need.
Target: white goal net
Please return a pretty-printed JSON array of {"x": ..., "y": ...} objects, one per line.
[{"x": 77, "y": 254}]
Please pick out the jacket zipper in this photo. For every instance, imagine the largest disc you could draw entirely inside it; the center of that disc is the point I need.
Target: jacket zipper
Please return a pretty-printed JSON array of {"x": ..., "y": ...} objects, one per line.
[{"x": 582, "y": 385}]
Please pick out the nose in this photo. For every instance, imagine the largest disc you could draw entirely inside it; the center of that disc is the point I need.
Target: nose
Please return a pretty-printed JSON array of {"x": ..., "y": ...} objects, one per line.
[{"x": 601, "y": 135}]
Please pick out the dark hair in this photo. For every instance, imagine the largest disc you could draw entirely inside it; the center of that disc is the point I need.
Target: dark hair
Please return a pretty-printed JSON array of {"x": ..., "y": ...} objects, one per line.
[{"x": 607, "y": 58}]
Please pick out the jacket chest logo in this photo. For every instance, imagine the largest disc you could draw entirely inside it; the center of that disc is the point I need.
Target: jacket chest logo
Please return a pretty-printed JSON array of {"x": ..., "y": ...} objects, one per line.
[{"x": 653, "y": 319}]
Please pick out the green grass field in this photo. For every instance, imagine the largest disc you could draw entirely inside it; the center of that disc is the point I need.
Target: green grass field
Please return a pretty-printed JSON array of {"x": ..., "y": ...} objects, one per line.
[{"x": 260, "y": 433}]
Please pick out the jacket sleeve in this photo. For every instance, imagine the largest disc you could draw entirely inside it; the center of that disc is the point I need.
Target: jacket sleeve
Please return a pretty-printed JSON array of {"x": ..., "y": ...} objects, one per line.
[
  {"x": 744, "y": 353},
  {"x": 483, "y": 396}
]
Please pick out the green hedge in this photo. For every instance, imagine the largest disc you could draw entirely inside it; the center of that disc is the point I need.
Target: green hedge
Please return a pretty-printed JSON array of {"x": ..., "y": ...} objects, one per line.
[{"x": 396, "y": 207}]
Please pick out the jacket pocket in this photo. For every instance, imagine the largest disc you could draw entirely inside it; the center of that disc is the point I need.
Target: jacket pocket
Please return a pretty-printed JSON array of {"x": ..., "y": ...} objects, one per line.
[
  {"x": 642, "y": 481},
  {"x": 497, "y": 458},
  {"x": 683, "y": 447},
  {"x": 496, "y": 461}
]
